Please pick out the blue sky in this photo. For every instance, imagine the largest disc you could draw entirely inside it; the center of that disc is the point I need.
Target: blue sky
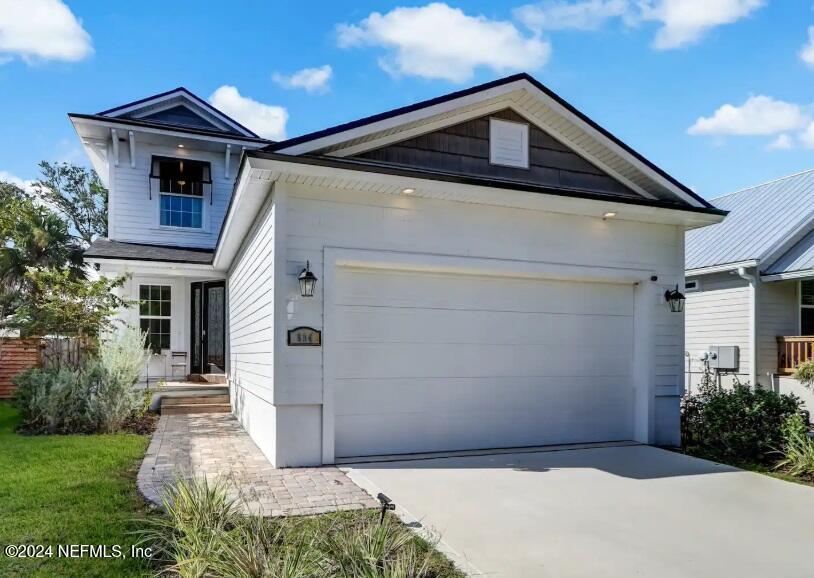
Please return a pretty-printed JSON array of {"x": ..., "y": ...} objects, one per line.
[{"x": 719, "y": 93}]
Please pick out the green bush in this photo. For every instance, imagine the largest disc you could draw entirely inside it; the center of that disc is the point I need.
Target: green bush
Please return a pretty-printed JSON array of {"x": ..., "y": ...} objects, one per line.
[
  {"x": 805, "y": 373},
  {"x": 203, "y": 534},
  {"x": 738, "y": 425},
  {"x": 114, "y": 398},
  {"x": 798, "y": 448},
  {"x": 98, "y": 397},
  {"x": 53, "y": 400}
]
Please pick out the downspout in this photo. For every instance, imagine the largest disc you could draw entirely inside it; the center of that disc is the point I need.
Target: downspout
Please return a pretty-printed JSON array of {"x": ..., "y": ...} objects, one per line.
[{"x": 753, "y": 281}]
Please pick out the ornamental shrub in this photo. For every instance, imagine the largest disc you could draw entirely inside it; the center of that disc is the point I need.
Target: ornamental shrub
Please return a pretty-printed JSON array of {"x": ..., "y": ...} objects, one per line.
[
  {"x": 737, "y": 425},
  {"x": 114, "y": 398},
  {"x": 100, "y": 396},
  {"x": 798, "y": 448},
  {"x": 805, "y": 373}
]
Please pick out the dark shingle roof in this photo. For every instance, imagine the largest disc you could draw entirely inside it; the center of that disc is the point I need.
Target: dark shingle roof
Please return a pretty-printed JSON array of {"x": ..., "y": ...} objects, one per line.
[{"x": 104, "y": 248}]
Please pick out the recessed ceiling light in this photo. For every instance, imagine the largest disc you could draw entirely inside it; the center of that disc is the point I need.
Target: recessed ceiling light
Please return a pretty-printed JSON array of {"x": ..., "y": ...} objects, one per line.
[
  {"x": 609, "y": 215},
  {"x": 408, "y": 191},
  {"x": 180, "y": 146}
]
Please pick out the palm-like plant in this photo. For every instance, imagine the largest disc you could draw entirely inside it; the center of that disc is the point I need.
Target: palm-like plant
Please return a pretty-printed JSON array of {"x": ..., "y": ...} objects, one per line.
[{"x": 34, "y": 237}]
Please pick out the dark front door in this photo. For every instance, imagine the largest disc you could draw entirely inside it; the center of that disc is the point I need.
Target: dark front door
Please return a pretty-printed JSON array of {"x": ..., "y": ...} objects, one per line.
[{"x": 208, "y": 327}]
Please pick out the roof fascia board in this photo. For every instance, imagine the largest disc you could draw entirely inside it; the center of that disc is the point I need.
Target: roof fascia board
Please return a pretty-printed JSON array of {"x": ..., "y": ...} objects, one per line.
[
  {"x": 164, "y": 267},
  {"x": 179, "y": 132},
  {"x": 189, "y": 96},
  {"x": 789, "y": 276},
  {"x": 720, "y": 268}
]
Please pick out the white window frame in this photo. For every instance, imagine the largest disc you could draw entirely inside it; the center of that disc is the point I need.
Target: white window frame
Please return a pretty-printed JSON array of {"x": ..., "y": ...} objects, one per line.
[
  {"x": 161, "y": 317},
  {"x": 694, "y": 289},
  {"x": 157, "y": 194},
  {"x": 801, "y": 306}
]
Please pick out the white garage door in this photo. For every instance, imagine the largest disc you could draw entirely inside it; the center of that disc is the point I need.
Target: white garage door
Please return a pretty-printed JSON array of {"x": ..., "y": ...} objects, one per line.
[{"x": 433, "y": 362}]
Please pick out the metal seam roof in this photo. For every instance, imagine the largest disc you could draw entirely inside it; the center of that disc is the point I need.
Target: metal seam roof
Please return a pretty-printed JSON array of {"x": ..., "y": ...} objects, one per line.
[{"x": 761, "y": 219}]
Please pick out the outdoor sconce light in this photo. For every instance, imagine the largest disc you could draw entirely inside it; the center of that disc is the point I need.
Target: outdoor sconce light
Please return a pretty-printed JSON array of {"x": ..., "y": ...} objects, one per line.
[
  {"x": 676, "y": 300},
  {"x": 307, "y": 281}
]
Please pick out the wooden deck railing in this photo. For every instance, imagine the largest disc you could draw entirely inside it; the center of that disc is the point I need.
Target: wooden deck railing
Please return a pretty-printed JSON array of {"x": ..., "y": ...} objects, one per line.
[{"x": 792, "y": 350}]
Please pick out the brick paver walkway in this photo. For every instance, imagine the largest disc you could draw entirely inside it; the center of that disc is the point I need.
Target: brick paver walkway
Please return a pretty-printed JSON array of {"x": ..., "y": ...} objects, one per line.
[{"x": 215, "y": 446}]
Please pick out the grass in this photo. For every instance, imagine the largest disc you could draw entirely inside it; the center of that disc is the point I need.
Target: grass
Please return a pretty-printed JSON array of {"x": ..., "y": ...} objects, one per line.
[
  {"x": 72, "y": 489},
  {"x": 80, "y": 489}
]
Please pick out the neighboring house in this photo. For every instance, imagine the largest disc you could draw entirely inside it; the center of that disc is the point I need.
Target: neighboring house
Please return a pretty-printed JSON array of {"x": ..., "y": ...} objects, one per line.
[
  {"x": 491, "y": 271},
  {"x": 750, "y": 283}
]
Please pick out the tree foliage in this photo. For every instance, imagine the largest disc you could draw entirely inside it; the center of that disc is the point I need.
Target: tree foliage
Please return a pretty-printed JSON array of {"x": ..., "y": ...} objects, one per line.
[
  {"x": 61, "y": 304},
  {"x": 78, "y": 195},
  {"x": 32, "y": 237}
]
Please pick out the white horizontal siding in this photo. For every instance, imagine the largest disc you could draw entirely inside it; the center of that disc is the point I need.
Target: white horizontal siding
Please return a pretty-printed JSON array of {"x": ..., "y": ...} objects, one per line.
[
  {"x": 718, "y": 314},
  {"x": 777, "y": 315},
  {"x": 134, "y": 216},
  {"x": 251, "y": 311}
]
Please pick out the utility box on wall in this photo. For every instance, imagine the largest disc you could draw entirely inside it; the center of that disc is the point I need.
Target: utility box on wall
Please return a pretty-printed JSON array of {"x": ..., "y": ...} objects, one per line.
[{"x": 724, "y": 357}]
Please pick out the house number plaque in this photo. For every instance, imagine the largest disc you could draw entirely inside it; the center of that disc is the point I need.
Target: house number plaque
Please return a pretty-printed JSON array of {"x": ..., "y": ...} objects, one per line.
[{"x": 304, "y": 336}]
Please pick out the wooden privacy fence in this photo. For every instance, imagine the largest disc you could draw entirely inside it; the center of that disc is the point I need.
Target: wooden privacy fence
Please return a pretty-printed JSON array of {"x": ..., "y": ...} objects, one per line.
[{"x": 16, "y": 355}]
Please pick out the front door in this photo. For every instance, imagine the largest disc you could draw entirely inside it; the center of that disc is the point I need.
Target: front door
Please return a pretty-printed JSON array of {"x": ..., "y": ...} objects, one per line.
[{"x": 208, "y": 317}]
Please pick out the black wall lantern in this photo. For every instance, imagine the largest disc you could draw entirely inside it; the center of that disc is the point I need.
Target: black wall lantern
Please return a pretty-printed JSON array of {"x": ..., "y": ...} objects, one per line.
[
  {"x": 307, "y": 281},
  {"x": 676, "y": 299}
]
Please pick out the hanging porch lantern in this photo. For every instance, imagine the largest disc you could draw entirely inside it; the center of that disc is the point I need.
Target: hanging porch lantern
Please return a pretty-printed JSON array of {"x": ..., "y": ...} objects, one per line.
[
  {"x": 307, "y": 281},
  {"x": 675, "y": 299}
]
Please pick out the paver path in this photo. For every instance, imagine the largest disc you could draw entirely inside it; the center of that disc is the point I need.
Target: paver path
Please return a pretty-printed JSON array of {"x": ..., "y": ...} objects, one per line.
[{"x": 215, "y": 446}]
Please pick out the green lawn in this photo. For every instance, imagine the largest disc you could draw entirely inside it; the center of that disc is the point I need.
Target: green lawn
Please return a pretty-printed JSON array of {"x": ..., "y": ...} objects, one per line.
[{"x": 68, "y": 490}]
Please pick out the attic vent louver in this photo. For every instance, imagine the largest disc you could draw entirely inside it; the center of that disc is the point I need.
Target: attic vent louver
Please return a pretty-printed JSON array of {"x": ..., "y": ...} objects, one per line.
[{"x": 508, "y": 143}]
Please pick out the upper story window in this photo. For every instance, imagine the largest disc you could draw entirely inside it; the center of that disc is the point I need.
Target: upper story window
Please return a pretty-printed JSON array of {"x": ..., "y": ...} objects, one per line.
[{"x": 181, "y": 185}]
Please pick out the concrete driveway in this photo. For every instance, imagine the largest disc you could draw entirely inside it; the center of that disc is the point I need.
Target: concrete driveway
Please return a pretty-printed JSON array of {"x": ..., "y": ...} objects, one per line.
[{"x": 619, "y": 511}]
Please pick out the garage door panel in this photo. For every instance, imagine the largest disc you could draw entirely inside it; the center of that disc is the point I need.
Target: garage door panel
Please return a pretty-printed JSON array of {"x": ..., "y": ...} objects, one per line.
[
  {"x": 360, "y": 324},
  {"x": 412, "y": 432},
  {"x": 432, "y": 362},
  {"x": 386, "y": 360},
  {"x": 437, "y": 291},
  {"x": 472, "y": 394}
]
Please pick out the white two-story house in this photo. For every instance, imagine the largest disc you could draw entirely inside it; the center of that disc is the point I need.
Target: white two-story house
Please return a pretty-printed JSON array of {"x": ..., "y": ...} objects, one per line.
[
  {"x": 489, "y": 268},
  {"x": 169, "y": 162}
]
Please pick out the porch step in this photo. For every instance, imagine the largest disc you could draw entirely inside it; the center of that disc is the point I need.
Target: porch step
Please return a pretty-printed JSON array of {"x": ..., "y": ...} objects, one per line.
[
  {"x": 207, "y": 377},
  {"x": 195, "y": 404},
  {"x": 195, "y": 399}
]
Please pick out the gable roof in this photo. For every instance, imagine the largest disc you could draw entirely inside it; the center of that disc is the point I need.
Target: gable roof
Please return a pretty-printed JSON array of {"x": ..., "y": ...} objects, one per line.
[
  {"x": 519, "y": 91},
  {"x": 149, "y": 109},
  {"x": 764, "y": 223}
]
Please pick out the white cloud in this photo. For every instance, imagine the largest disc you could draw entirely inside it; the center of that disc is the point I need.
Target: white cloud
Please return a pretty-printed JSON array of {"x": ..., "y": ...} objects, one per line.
[
  {"x": 26, "y": 185},
  {"x": 309, "y": 79},
  {"x": 439, "y": 42},
  {"x": 782, "y": 142},
  {"x": 266, "y": 120},
  {"x": 759, "y": 115},
  {"x": 562, "y": 15},
  {"x": 807, "y": 136},
  {"x": 686, "y": 21},
  {"x": 41, "y": 30},
  {"x": 807, "y": 52}
]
